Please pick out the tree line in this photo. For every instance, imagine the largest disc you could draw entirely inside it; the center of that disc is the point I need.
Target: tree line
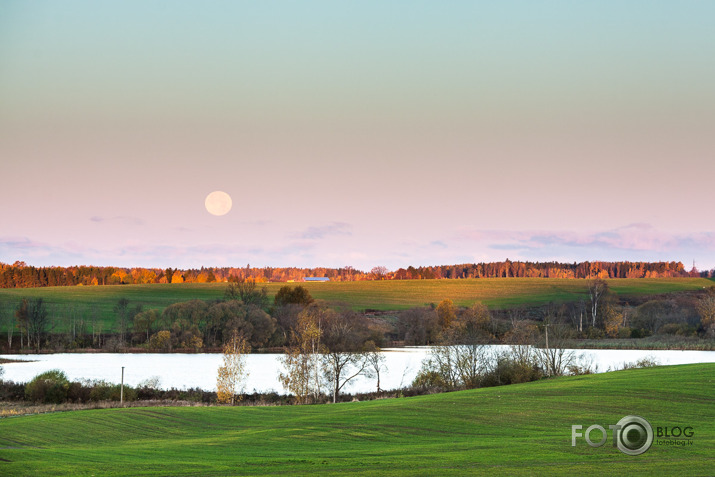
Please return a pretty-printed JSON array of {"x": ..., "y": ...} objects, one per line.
[
  {"x": 518, "y": 269},
  {"x": 21, "y": 275}
]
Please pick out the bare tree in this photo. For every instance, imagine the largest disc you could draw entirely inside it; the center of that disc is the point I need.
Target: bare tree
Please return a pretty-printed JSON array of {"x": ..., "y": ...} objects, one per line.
[
  {"x": 379, "y": 272},
  {"x": 462, "y": 358},
  {"x": 32, "y": 317},
  {"x": 121, "y": 308},
  {"x": 344, "y": 358},
  {"x": 7, "y": 319},
  {"x": 521, "y": 339},
  {"x": 375, "y": 362},
  {"x": 247, "y": 291},
  {"x": 596, "y": 289},
  {"x": 554, "y": 358}
]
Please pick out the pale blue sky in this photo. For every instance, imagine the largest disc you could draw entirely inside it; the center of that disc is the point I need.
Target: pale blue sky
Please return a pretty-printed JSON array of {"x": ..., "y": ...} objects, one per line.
[{"x": 405, "y": 133}]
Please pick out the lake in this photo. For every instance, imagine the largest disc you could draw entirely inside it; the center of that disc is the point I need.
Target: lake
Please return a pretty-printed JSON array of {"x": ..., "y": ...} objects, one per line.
[{"x": 199, "y": 370}]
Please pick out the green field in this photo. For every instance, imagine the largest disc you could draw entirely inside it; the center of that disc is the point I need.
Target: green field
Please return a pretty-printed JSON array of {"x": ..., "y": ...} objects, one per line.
[
  {"x": 511, "y": 430},
  {"x": 378, "y": 295}
]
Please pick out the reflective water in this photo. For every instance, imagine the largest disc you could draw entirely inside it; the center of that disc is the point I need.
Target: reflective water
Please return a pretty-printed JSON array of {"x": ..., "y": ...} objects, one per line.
[{"x": 199, "y": 370}]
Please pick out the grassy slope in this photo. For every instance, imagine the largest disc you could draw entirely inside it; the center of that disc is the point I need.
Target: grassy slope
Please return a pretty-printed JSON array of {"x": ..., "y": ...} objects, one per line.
[
  {"x": 512, "y": 430},
  {"x": 382, "y": 295}
]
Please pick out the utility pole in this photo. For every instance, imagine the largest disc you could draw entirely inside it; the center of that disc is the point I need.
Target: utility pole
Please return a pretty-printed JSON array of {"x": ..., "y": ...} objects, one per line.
[
  {"x": 546, "y": 329},
  {"x": 121, "y": 390}
]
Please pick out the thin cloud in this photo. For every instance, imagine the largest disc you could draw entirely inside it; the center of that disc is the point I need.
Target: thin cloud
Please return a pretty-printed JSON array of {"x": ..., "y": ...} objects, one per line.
[
  {"x": 127, "y": 220},
  {"x": 638, "y": 237},
  {"x": 320, "y": 232}
]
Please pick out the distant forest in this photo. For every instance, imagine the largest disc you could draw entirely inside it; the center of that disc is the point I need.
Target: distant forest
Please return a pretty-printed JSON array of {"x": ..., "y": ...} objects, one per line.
[{"x": 21, "y": 275}]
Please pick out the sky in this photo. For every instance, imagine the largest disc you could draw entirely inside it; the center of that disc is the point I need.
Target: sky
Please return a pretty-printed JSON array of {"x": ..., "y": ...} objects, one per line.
[{"x": 357, "y": 133}]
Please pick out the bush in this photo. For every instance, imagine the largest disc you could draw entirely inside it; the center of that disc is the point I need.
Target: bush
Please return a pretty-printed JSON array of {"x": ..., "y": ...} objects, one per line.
[
  {"x": 639, "y": 333},
  {"x": 595, "y": 333},
  {"x": 645, "y": 362},
  {"x": 429, "y": 379},
  {"x": 679, "y": 329},
  {"x": 78, "y": 393},
  {"x": 104, "y": 391},
  {"x": 508, "y": 371},
  {"x": 11, "y": 391},
  {"x": 50, "y": 387}
]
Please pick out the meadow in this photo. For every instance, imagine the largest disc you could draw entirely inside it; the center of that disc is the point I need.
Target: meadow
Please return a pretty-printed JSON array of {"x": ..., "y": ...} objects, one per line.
[
  {"x": 362, "y": 295},
  {"x": 520, "y": 429}
]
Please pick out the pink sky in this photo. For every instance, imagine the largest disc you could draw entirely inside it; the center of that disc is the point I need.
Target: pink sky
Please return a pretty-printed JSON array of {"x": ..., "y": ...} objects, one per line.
[{"x": 359, "y": 136}]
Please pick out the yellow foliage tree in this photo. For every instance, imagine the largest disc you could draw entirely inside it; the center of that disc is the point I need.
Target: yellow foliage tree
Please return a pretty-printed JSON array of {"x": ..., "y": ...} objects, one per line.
[
  {"x": 302, "y": 361},
  {"x": 233, "y": 372},
  {"x": 612, "y": 321},
  {"x": 706, "y": 310},
  {"x": 446, "y": 313}
]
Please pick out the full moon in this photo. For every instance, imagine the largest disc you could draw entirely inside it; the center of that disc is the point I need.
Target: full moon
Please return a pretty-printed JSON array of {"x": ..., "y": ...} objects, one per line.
[{"x": 218, "y": 203}]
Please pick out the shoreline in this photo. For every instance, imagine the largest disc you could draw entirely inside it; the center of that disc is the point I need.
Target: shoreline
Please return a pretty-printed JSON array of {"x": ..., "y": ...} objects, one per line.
[{"x": 700, "y": 345}]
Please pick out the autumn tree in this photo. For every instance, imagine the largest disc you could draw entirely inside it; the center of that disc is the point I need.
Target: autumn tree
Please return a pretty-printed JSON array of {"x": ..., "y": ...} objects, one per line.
[
  {"x": 418, "y": 326},
  {"x": 160, "y": 340},
  {"x": 612, "y": 320},
  {"x": 476, "y": 322},
  {"x": 302, "y": 359},
  {"x": 233, "y": 373},
  {"x": 446, "y": 313},
  {"x": 379, "y": 272},
  {"x": 706, "y": 310}
]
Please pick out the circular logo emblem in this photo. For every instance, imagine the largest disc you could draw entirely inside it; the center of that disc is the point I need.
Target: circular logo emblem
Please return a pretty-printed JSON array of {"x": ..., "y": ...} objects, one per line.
[{"x": 635, "y": 435}]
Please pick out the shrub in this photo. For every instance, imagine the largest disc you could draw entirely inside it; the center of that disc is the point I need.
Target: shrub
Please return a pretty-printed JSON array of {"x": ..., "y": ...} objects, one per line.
[
  {"x": 77, "y": 392},
  {"x": 639, "y": 333},
  {"x": 429, "y": 379},
  {"x": 50, "y": 387},
  {"x": 104, "y": 391},
  {"x": 11, "y": 391},
  {"x": 509, "y": 371},
  {"x": 645, "y": 362},
  {"x": 679, "y": 329}
]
